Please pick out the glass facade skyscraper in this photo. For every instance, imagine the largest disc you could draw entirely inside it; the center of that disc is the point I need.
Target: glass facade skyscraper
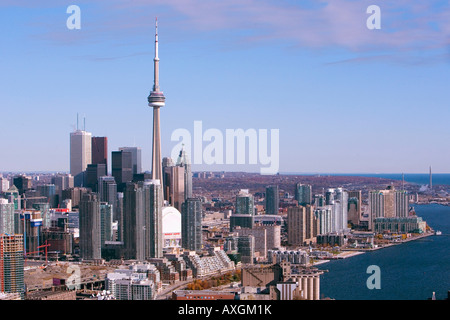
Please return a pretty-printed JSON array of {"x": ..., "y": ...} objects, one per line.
[
  {"x": 191, "y": 224},
  {"x": 272, "y": 200},
  {"x": 303, "y": 194}
]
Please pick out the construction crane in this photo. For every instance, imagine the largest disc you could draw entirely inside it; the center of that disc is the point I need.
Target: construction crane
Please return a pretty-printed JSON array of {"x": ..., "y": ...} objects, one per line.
[{"x": 45, "y": 246}]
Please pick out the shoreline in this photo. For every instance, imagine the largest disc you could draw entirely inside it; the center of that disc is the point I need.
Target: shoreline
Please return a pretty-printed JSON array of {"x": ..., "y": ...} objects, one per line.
[{"x": 351, "y": 252}]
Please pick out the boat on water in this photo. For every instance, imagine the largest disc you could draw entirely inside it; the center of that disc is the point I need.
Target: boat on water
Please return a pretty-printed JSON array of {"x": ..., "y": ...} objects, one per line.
[{"x": 438, "y": 233}]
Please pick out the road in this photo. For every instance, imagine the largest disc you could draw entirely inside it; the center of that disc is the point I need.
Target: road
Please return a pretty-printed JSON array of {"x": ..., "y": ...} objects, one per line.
[{"x": 167, "y": 292}]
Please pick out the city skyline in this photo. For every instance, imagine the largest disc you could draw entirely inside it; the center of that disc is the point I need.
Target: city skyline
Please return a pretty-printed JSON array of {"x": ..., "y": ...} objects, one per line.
[{"x": 351, "y": 99}]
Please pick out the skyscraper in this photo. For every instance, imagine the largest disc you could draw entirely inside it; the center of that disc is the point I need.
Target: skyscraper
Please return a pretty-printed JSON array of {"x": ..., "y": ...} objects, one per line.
[
  {"x": 244, "y": 211},
  {"x": 191, "y": 224},
  {"x": 107, "y": 189},
  {"x": 272, "y": 200},
  {"x": 133, "y": 222},
  {"x": 93, "y": 173},
  {"x": 156, "y": 100},
  {"x": 142, "y": 220},
  {"x": 303, "y": 194},
  {"x": 122, "y": 168},
  {"x": 174, "y": 179},
  {"x": 100, "y": 151},
  {"x": 4, "y": 184},
  {"x": 80, "y": 154},
  {"x": 90, "y": 227},
  {"x": 6, "y": 216},
  {"x": 11, "y": 264},
  {"x": 106, "y": 223},
  {"x": 245, "y": 203},
  {"x": 340, "y": 210},
  {"x": 23, "y": 183},
  {"x": 183, "y": 161},
  {"x": 302, "y": 225},
  {"x": 62, "y": 182},
  {"x": 401, "y": 203},
  {"x": 153, "y": 200},
  {"x": 136, "y": 158},
  {"x": 354, "y": 207}
]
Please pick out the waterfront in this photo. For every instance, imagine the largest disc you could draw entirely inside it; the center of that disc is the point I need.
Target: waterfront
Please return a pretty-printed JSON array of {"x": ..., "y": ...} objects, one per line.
[{"x": 409, "y": 271}]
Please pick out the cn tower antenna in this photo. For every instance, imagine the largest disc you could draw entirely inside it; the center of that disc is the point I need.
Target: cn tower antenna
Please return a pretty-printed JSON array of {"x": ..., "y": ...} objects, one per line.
[{"x": 156, "y": 100}]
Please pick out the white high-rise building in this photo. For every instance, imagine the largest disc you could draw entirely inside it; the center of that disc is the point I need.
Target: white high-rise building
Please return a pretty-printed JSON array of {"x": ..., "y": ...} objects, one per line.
[
  {"x": 324, "y": 216},
  {"x": 337, "y": 200},
  {"x": 4, "y": 184},
  {"x": 80, "y": 152},
  {"x": 6, "y": 217}
]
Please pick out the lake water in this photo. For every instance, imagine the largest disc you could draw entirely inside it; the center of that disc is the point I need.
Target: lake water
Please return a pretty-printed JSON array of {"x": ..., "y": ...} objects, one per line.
[{"x": 409, "y": 271}]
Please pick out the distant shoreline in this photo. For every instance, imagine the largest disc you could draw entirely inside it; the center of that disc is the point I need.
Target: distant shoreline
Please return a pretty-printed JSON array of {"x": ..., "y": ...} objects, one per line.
[{"x": 351, "y": 252}]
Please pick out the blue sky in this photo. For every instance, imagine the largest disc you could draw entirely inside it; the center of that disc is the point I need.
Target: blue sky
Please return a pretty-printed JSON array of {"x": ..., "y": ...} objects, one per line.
[{"x": 346, "y": 99}]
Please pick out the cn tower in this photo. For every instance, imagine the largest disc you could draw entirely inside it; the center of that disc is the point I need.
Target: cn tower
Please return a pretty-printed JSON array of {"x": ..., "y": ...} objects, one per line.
[{"x": 156, "y": 100}]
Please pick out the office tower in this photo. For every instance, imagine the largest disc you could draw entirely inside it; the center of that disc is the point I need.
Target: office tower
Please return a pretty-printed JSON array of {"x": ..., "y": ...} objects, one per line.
[
  {"x": 174, "y": 178},
  {"x": 80, "y": 154},
  {"x": 301, "y": 225},
  {"x": 23, "y": 183},
  {"x": 11, "y": 264},
  {"x": 142, "y": 220},
  {"x": 272, "y": 200},
  {"x": 354, "y": 207},
  {"x": 191, "y": 224},
  {"x": 107, "y": 190},
  {"x": 184, "y": 162},
  {"x": 303, "y": 194},
  {"x": 99, "y": 151},
  {"x": 167, "y": 163},
  {"x": 156, "y": 100},
  {"x": 6, "y": 217},
  {"x": 90, "y": 227},
  {"x": 136, "y": 158},
  {"x": 93, "y": 173},
  {"x": 122, "y": 168}
]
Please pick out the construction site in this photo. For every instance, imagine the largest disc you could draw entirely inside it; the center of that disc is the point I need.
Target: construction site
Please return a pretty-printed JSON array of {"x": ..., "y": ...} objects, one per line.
[{"x": 64, "y": 280}]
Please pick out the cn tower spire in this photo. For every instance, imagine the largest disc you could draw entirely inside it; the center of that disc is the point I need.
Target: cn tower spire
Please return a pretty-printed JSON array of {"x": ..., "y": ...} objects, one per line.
[
  {"x": 156, "y": 59},
  {"x": 156, "y": 100}
]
